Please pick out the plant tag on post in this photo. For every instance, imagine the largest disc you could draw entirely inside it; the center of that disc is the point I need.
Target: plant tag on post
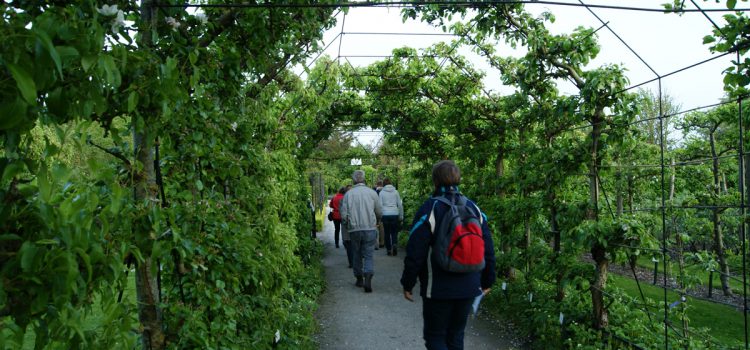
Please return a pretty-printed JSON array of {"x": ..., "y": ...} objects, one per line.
[
  {"x": 562, "y": 318},
  {"x": 505, "y": 285},
  {"x": 531, "y": 296}
]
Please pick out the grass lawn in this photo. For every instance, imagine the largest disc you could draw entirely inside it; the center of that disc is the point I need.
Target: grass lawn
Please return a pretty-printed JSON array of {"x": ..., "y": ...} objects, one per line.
[
  {"x": 725, "y": 323},
  {"x": 692, "y": 271}
]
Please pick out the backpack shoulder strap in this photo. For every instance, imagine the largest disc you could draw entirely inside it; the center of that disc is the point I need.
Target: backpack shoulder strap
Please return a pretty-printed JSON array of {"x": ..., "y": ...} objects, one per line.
[{"x": 431, "y": 219}]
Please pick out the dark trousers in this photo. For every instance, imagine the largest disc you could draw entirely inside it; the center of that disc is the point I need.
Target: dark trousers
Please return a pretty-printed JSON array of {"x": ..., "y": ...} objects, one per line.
[
  {"x": 349, "y": 253},
  {"x": 444, "y": 322},
  {"x": 390, "y": 226},
  {"x": 336, "y": 231}
]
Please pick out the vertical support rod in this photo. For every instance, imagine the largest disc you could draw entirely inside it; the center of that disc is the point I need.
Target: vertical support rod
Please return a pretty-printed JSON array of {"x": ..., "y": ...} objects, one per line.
[
  {"x": 663, "y": 215},
  {"x": 742, "y": 175}
]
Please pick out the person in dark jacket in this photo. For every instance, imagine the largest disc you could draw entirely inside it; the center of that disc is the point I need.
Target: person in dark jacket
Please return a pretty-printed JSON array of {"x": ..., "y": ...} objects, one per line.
[{"x": 447, "y": 297}]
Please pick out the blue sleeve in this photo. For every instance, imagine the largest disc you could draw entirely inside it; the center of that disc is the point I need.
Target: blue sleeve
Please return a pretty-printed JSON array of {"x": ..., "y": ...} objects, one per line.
[
  {"x": 488, "y": 274},
  {"x": 417, "y": 248}
]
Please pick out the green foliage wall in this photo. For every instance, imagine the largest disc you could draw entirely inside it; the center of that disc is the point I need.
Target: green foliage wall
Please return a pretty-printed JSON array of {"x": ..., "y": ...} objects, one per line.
[{"x": 216, "y": 229}]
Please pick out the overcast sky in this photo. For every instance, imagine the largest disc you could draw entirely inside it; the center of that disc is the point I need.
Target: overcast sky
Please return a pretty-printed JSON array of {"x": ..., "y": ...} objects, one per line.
[{"x": 666, "y": 42}]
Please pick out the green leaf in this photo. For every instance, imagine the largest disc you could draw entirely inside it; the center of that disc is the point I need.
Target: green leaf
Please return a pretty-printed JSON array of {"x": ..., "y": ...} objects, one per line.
[
  {"x": 86, "y": 262},
  {"x": 708, "y": 39},
  {"x": 47, "y": 242},
  {"x": 731, "y": 4},
  {"x": 10, "y": 237},
  {"x": 112, "y": 74},
  {"x": 24, "y": 82},
  {"x": 199, "y": 185},
  {"x": 12, "y": 113},
  {"x": 28, "y": 253},
  {"x": 42, "y": 180},
  {"x": 11, "y": 170},
  {"x": 132, "y": 101},
  {"x": 47, "y": 44},
  {"x": 87, "y": 62}
]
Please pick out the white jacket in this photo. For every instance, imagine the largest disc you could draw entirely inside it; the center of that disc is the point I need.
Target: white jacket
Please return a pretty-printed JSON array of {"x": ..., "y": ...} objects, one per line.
[{"x": 390, "y": 200}]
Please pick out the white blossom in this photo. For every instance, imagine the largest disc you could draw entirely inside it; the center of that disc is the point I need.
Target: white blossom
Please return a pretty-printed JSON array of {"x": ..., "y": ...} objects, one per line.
[
  {"x": 201, "y": 17},
  {"x": 119, "y": 21},
  {"x": 173, "y": 22},
  {"x": 108, "y": 10},
  {"x": 277, "y": 336},
  {"x": 234, "y": 126}
]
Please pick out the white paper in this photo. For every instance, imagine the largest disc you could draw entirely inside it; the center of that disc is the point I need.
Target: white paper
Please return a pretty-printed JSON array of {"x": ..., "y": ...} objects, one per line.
[{"x": 475, "y": 304}]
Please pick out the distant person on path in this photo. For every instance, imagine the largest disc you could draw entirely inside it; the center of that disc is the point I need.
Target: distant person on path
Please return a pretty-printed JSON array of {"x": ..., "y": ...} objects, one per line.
[
  {"x": 393, "y": 214},
  {"x": 447, "y": 296},
  {"x": 381, "y": 232},
  {"x": 345, "y": 234},
  {"x": 335, "y": 209},
  {"x": 360, "y": 212}
]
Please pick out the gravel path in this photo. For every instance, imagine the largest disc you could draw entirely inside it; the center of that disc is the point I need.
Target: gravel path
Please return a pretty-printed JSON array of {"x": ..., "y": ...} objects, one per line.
[{"x": 350, "y": 319}]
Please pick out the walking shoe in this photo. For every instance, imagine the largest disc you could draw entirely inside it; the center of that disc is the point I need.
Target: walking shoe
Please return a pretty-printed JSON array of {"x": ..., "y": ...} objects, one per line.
[
  {"x": 389, "y": 253},
  {"x": 359, "y": 281},
  {"x": 368, "y": 283},
  {"x": 394, "y": 252}
]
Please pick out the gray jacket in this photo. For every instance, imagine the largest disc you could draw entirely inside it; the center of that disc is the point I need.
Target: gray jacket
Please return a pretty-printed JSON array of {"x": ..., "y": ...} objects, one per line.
[
  {"x": 360, "y": 209},
  {"x": 390, "y": 200}
]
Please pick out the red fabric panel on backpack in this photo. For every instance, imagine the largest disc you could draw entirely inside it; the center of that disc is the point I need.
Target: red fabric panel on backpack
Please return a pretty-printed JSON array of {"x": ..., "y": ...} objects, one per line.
[{"x": 467, "y": 244}]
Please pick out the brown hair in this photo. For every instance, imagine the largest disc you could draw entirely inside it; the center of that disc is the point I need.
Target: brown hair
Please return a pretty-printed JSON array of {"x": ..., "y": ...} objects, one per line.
[
  {"x": 386, "y": 181},
  {"x": 445, "y": 173}
]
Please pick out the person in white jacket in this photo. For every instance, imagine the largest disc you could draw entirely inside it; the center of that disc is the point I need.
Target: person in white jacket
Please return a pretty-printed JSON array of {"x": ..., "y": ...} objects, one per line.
[{"x": 393, "y": 214}]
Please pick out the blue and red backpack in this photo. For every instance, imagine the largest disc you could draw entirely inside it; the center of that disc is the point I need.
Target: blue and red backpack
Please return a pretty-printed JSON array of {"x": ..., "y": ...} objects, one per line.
[{"x": 458, "y": 245}]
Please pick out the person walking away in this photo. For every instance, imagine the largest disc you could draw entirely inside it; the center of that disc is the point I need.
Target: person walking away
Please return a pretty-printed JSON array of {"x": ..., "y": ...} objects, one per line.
[
  {"x": 393, "y": 214},
  {"x": 335, "y": 204},
  {"x": 360, "y": 212},
  {"x": 345, "y": 235},
  {"x": 381, "y": 232},
  {"x": 446, "y": 296}
]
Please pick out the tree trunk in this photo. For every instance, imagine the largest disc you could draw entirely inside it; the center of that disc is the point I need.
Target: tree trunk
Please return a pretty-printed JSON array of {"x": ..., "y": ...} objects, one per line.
[
  {"x": 601, "y": 316},
  {"x": 598, "y": 252},
  {"x": 147, "y": 289},
  {"x": 510, "y": 272},
  {"x": 556, "y": 243},
  {"x": 527, "y": 240},
  {"x": 678, "y": 236},
  {"x": 672, "y": 182},
  {"x": 146, "y": 195},
  {"x": 631, "y": 189},
  {"x": 718, "y": 236}
]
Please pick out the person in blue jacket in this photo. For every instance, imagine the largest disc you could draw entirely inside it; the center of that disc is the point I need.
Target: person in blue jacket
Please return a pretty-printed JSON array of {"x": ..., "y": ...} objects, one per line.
[{"x": 447, "y": 297}]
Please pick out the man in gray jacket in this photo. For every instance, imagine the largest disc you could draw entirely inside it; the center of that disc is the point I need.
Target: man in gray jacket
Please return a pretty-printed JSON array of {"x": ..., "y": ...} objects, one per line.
[{"x": 360, "y": 212}]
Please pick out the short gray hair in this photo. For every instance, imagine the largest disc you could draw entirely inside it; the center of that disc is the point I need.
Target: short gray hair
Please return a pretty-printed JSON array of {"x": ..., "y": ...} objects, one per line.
[{"x": 358, "y": 176}]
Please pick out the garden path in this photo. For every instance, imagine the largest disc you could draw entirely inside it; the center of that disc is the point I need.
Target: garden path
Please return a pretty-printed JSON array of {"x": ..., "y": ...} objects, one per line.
[{"x": 350, "y": 319}]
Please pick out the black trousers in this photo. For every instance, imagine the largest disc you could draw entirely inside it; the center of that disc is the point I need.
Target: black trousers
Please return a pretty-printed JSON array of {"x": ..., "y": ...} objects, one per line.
[{"x": 444, "y": 322}]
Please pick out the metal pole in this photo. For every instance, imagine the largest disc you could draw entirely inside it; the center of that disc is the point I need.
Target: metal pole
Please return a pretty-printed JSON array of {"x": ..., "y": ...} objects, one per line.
[
  {"x": 742, "y": 174},
  {"x": 663, "y": 217}
]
